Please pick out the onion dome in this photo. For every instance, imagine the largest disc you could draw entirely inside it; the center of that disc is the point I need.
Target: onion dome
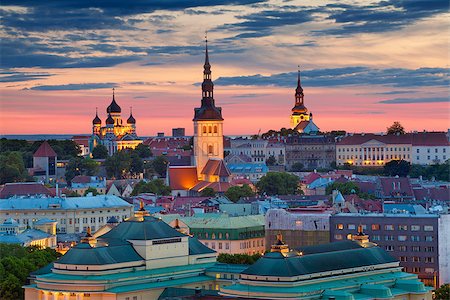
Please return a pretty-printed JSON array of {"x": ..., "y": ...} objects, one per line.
[
  {"x": 109, "y": 120},
  {"x": 113, "y": 107},
  {"x": 96, "y": 120},
  {"x": 131, "y": 119}
]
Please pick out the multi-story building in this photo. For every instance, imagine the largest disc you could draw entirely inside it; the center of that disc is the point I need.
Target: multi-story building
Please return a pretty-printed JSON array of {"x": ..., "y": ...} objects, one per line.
[
  {"x": 44, "y": 163},
  {"x": 312, "y": 151},
  {"x": 299, "y": 227},
  {"x": 73, "y": 215},
  {"x": 419, "y": 242},
  {"x": 81, "y": 183},
  {"x": 259, "y": 150},
  {"x": 224, "y": 234},
  {"x": 375, "y": 150},
  {"x": 42, "y": 235}
]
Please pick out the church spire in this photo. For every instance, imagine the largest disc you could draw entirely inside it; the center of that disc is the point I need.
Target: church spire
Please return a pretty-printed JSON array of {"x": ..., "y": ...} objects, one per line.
[
  {"x": 299, "y": 90},
  {"x": 207, "y": 85}
]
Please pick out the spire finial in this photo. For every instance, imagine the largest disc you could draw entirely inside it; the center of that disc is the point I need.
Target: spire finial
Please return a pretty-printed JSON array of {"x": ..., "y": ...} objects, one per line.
[
  {"x": 299, "y": 83},
  {"x": 113, "y": 92},
  {"x": 96, "y": 111},
  {"x": 206, "y": 49},
  {"x": 131, "y": 110}
]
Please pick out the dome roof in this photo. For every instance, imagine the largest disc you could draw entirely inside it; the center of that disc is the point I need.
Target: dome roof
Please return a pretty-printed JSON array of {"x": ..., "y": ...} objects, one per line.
[
  {"x": 113, "y": 107},
  {"x": 109, "y": 120},
  {"x": 96, "y": 120},
  {"x": 131, "y": 120}
]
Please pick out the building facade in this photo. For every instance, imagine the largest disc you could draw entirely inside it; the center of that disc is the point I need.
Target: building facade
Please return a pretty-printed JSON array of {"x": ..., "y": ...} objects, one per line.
[
  {"x": 44, "y": 163},
  {"x": 73, "y": 215},
  {"x": 301, "y": 120},
  {"x": 419, "y": 242},
  {"x": 115, "y": 135},
  {"x": 312, "y": 151},
  {"x": 421, "y": 148}
]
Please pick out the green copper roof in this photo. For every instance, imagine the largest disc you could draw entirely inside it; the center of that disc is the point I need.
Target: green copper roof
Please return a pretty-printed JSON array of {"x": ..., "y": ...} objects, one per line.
[
  {"x": 330, "y": 247},
  {"x": 196, "y": 247},
  {"x": 84, "y": 254},
  {"x": 150, "y": 229},
  {"x": 275, "y": 264}
]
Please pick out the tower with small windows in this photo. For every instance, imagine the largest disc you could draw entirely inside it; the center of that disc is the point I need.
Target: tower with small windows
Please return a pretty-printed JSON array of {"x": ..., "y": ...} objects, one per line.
[
  {"x": 299, "y": 111},
  {"x": 208, "y": 123}
]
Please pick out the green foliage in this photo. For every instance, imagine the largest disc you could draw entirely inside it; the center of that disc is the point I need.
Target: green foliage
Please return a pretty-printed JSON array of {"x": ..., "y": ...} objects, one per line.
[
  {"x": 235, "y": 193},
  {"x": 143, "y": 151},
  {"x": 208, "y": 192},
  {"x": 442, "y": 293},
  {"x": 91, "y": 190},
  {"x": 346, "y": 188},
  {"x": 271, "y": 161},
  {"x": 72, "y": 194},
  {"x": 80, "y": 166},
  {"x": 278, "y": 183},
  {"x": 100, "y": 152},
  {"x": 155, "y": 186},
  {"x": 118, "y": 165},
  {"x": 397, "y": 167},
  {"x": 16, "y": 263},
  {"x": 395, "y": 128},
  {"x": 160, "y": 164},
  {"x": 281, "y": 132},
  {"x": 297, "y": 167},
  {"x": 12, "y": 168},
  {"x": 438, "y": 171},
  {"x": 241, "y": 259}
]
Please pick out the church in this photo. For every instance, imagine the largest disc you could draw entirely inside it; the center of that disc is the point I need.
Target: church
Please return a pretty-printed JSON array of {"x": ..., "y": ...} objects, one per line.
[
  {"x": 301, "y": 120},
  {"x": 115, "y": 135},
  {"x": 209, "y": 169}
]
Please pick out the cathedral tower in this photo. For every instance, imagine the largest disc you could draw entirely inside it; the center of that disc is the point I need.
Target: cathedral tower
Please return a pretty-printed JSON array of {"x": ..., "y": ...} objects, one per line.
[
  {"x": 208, "y": 123},
  {"x": 299, "y": 111}
]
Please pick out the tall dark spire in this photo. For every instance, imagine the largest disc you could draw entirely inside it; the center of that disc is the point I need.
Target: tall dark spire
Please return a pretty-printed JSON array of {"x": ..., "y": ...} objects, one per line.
[
  {"x": 299, "y": 106},
  {"x": 208, "y": 110},
  {"x": 96, "y": 119},
  {"x": 113, "y": 107}
]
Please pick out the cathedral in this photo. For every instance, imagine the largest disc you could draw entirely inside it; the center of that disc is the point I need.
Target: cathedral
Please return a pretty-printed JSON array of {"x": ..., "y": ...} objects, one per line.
[
  {"x": 115, "y": 135},
  {"x": 301, "y": 120}
]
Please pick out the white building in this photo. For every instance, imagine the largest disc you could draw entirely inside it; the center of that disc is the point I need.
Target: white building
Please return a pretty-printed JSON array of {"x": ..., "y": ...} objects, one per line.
[
  {"x": 259, "y": 150},
  {"x": 73, "y": 215}
]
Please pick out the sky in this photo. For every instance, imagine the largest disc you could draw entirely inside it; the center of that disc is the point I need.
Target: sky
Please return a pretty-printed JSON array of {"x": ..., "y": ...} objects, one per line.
[{"x": 364, "y": 64}]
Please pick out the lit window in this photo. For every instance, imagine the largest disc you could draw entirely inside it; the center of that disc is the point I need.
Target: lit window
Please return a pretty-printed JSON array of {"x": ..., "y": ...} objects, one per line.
[
  {"x": 428, "y": 228},
  {"x": 415, "y": 227},
  {"x": 340, "y": 226}
]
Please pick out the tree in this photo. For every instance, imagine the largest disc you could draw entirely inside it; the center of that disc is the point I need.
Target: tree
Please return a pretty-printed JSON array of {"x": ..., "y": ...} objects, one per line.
[
  {"x": 345, "y": 188},
  {"x": 160, "y": 165},
  {"x": 277, "y": 183},
  {"x": 155, "y": 186},
  {"x": 397, "y": 168},
  {"x": 208, "y": 192},
  {"x": 118, "y": 165},
  {"x": 297, "y": 167},
  {"x": 271, "y": 161},
  {"x": 143, "y": 151},
  {"x": 91, "y": 190},
  {"x": 100, "y": 152},
  {"x": 395, "y": 128},
  {"x": 12, "y": 168},
  {"x": 442, "y": 293},
  {"x": 80, "y": 166},
  {"x": 241, "y": 259},
  {"x": 235, "y": 193}
]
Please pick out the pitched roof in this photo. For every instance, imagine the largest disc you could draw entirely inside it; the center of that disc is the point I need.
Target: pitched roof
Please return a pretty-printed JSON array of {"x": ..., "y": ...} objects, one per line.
[
  {"x": 430, "y": 139},
  {"x": 182, "y": 177},
  {"x": 396, "y": 186},
  {"x": 45, "y": 150},
  {"x": 81, "y": 179},
  {"x": 216, "y": 167},
  {"x": 415, "y": 139},
  {"x": 24, "y": 189},
  {"x": 196, "y": 247},
  {"x": 310, "y": 178}
]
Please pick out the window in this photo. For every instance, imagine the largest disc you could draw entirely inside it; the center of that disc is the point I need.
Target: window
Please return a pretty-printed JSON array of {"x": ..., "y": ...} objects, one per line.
[
  {"x": 210, "y": 149},
  {"x": 403, "y": 227},
  {"x": 429, "y": 270},
  {"x": 204, "y": 129},
  {"x": 389, "y": 248},
  {"x": 415, "y": 238},
  {"x": 416, "y": 259},
  {"x": 402, "y": 238},
  {"x": 429, "y": 259},
  {"x": 389, "y": 238},
  {"x": 402, "y": 248},
  {"x": 415, "y": 227},
  {"x": 376, "y": 238},
  {"x": 415, "y": 248},
  {"x": 428, "y": 228},
  {"x": 403, "y": 258},
  {"x": 227, "y": 246},
  {"x": 213, "y": 245},
  {"x": 340, "y": 226},
  {"x": 428, "y": 238},
  {"x": 375, "y": 226},
  {"x": 416, "y": 270},
  {"x": 215, "y": 129},
  {"x": 388, "y": 227},
  {"x": 338, "y": 236},
  {"x": 220, "y": 245},
  {"x": 418, "y": 151},
  {"x": 429, "y": 249}
]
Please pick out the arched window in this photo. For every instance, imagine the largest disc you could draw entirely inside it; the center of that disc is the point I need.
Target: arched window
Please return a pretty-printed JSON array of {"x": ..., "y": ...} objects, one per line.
[
  {"x": 204, "y": 129},
  {"x": 210, "y": 149},
  {"x": 215, "y": 129},
  {"x": 213, "y": 236},
  {"x": 209, "y": 129}
]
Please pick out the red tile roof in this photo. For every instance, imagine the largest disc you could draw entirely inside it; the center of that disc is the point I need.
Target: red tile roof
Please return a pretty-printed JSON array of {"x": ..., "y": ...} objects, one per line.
[
  {"x": 81, "y": 179},
  {"x": 183, "y": 177},
  {"x": 45, "y": 150},
  {"x": 396, "y": 186},
  {"x": 216, "y": 167},
  {"x": 24, "y": 189},
  {"x": 437, "y": 193},
  {"x": 415, "y": 139},
  {"x": 430, "y": 139},
  {"x": 310, "y": 178}
]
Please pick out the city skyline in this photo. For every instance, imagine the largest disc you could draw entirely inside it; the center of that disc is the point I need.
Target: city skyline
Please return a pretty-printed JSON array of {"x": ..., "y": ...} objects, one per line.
[{"x": 382, "y": 62}]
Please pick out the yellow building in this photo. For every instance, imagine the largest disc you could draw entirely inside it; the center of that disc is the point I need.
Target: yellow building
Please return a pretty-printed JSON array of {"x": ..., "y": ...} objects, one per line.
[
  {"x": 301, "y": 120},
  {"x": 116, "y": 135}
]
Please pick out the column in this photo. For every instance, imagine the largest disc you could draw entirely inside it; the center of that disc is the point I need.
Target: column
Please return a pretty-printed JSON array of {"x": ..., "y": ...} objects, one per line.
[
  {"x": 45, "y": 296},
  {"x": 80, "y": 296},
  {"x": 66, "y": 296}
]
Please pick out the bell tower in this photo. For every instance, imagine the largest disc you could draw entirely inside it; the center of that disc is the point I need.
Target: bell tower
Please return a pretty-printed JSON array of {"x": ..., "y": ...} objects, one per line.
[
  {"x": 208, "y": 122},
  {"x": 299, "y": 111}
]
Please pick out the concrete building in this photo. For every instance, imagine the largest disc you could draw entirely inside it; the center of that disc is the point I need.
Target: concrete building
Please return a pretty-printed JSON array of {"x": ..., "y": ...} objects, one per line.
[
  {"x": 224, "y": 234},
  {"x": 73, "y": 215},
  {"x": 258, "y": 150},
  {"x": 418, "y": 241},
  {"x": 422, "y": 148},
  {"x": 81, "y": 183},
  {"x": 299, "y": 227},
  {"x": 42, "y": 235},
  {"x": 44, "y": 163}
]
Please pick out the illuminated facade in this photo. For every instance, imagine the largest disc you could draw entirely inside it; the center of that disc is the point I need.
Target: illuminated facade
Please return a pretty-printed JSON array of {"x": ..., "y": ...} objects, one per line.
[
  {"x": 301, "y": 120},
  {"x": 116, "y": 135}
]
